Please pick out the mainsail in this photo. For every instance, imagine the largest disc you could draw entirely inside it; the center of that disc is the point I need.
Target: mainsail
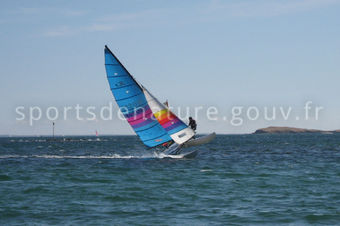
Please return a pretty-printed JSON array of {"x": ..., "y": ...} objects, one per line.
[
  {"x": 132, "y": 102},
  {"x": 151, "y": 120}
]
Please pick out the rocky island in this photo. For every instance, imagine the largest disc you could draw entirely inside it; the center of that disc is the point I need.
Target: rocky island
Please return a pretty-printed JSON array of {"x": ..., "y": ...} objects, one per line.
[{"x": 278, "y": 129}]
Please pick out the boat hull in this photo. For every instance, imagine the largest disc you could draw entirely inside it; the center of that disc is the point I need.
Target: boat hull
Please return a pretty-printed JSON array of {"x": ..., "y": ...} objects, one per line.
[{"x": 200, "y": 140}]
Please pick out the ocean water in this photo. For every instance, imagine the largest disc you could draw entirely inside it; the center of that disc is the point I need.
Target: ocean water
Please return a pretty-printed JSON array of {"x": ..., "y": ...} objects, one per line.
[{"x": 235, "y": 180}]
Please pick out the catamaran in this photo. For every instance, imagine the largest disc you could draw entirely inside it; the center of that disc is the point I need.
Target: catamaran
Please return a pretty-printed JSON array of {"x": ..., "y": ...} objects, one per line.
[{"x": 152, "y": 121}]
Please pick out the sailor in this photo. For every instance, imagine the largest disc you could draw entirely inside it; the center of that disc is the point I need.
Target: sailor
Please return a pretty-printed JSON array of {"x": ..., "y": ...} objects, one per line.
[{"x": 192, "y": 123}]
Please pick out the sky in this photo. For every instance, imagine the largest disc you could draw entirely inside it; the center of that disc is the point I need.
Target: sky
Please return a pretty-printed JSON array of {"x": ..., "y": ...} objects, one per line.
[{"x": 255, "y": 53}]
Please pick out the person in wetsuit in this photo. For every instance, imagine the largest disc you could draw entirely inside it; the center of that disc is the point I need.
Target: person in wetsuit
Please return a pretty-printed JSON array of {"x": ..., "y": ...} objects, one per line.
[{"x": 192, "y": 123}]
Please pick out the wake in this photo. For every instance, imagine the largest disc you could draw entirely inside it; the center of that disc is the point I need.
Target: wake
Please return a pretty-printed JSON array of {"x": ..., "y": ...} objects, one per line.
[{"x": 113, "y": 156}]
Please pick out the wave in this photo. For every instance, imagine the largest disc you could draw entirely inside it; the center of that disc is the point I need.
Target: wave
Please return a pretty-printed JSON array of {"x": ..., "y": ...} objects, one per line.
[
  {"x": 114, "y": 156},
  {"x": 59, "y": 140}
]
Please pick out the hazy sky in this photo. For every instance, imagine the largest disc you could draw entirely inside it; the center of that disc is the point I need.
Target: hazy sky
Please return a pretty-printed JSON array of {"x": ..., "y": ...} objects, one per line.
[{"x": 209, "y": 53}]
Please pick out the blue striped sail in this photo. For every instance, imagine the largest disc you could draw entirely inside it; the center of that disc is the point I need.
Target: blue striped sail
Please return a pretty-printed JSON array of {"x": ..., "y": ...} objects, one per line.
[{"x": 132, "y": 102}]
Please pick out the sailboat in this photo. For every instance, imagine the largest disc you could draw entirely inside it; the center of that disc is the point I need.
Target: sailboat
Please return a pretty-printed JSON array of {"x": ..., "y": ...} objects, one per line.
[
  {"x": 98, "y": 139},
  {"x": 152, "y": 121}
]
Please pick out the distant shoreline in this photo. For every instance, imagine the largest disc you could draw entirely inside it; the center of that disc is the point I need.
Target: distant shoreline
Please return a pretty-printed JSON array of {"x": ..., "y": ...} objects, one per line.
[{"x": 278, "y": 129}]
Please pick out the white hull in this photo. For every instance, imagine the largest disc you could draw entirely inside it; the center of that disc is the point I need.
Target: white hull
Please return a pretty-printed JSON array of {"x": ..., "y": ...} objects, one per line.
[
  {"x": 200, "y": 140},
  {"x": 175, "y": 149}
]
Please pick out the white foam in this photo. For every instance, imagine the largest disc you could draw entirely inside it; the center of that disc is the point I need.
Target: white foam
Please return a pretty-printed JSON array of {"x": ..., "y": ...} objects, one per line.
[
  {"x": 114, "y": 156},
  {"x": 205, "y": 170},
  {"x": 161, "y": 155}
]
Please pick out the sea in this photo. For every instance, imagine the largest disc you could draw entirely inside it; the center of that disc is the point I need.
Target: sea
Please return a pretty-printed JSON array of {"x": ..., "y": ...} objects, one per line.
[{"x": 255, "y": 179}]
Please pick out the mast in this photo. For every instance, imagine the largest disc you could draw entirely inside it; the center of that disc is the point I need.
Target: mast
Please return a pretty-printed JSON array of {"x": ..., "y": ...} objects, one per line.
[{"x": 53, "y": 130}]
